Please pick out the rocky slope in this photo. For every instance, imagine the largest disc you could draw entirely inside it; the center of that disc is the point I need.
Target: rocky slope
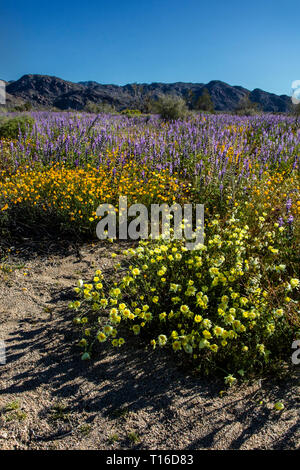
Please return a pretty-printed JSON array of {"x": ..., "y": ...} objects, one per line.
[{"x": 47, "y": 91}]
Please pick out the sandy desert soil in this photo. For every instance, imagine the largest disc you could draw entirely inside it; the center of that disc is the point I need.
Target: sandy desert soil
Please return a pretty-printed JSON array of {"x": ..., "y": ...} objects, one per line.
[{"x": 130, "y": 399}]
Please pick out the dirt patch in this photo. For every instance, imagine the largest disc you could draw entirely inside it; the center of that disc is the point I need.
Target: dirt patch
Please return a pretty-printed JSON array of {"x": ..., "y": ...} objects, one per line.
[{"x": 134, "y": 398}]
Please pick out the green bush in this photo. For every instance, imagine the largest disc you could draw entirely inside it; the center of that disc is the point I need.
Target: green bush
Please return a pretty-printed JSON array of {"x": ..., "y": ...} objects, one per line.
[
  {"x": 170, "y": 108},
  {"x": 204, "y": 102},
  {"x": 98, "y": 108},
  {"x": 131, "y": 112},
  {"x": 10, "y": 127},
  {"x": 226, "y": 306},
  {"x": 27, "y": 106},
  {"x": 296, "y": 109}
]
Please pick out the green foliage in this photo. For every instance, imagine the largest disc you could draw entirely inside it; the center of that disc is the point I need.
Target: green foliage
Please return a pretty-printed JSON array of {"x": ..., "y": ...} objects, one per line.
[
  {"x": 113, "y": 438},
  {"x": 27, "y": 106},
  {"x": 296, "y": 109},
  {"x": 12, "y": 406},
  {"x": 85, "y": 429},
  {"x": 133, "y": 437},
  {"x": 10, "y": 127},
  {"x": 246, "y": 107},
  {"x": 170, "y": 107},
  {"x": 189, "y": 99},
  {"x": 204, "y": 102},
  {"x": 131, "y": 112},
  {"x": 98, "y": 108},
  {"x": 148, "y": 104},
  {"x": 16, "y": 413},
  {"x": 59, "y": 412}
]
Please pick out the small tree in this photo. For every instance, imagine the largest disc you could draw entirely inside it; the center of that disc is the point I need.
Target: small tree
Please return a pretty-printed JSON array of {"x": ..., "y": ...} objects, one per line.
[
  {"x": 98, "y": 108},
  {"x": 27, "y": 106},
  {"x": 296, "y": 109},
  {"x": 246, "y": 107},
  {"x": 204, "y": 102},
  {"x": 190, "y": 98},
  {"x": 170, "y": 107},
  {"x": 11, "y": 127}
]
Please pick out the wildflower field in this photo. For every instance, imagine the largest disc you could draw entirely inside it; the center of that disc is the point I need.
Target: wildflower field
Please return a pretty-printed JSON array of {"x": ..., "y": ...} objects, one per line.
[{"x": 232, "y": 305}]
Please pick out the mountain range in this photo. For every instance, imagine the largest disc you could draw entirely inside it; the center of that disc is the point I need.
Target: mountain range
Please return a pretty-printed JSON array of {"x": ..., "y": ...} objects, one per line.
[{"x": 44, "y": 92}]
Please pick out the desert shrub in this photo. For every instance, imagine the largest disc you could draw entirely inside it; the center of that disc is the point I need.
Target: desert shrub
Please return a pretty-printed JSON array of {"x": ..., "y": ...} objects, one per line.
[
  {"x": 204, "y": 102},
  {"x": 229, "y": 305},
  {"x": 27, "y": 106},
  {"x": 11, "y": 127},
  {"x": 246, "y": 107},
  {"x": 296, "y": 109},
  {"x": 98, "y": 108},
  {"x": 131, "y": 112},
  {"x": 70, "y": 196},
  {"x": 170, "y": 108}
]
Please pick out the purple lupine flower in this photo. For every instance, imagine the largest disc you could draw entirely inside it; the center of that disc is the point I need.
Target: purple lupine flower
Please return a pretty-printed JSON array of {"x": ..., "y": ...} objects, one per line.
[
  {"x": 288, "y": 204},
  {"x": 280, "y": 222}
]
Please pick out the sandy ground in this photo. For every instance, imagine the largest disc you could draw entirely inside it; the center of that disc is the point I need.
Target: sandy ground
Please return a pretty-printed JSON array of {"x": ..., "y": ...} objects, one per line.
[{"x": 130, "y": 399}]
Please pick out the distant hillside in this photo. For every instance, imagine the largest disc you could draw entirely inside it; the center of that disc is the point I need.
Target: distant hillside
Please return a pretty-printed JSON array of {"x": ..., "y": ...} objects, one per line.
[{"x": 47, "y": 91}]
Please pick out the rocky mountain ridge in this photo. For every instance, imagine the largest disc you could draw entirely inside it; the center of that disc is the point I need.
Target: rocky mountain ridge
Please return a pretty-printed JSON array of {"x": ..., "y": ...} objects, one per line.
[{"x": 44, "y": 91}]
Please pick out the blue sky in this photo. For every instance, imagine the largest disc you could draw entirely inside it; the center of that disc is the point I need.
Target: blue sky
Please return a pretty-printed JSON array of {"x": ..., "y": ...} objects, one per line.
[{"x": 253, "y": 44}]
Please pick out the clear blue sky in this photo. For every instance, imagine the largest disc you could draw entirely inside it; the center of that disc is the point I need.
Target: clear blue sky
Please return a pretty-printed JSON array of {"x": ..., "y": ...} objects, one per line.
[{"x": 254, "y": 44}]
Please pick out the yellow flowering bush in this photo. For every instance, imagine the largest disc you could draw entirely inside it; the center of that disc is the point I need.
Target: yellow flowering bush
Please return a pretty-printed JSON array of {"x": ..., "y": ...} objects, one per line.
[{"x": 230, "y": 304}]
